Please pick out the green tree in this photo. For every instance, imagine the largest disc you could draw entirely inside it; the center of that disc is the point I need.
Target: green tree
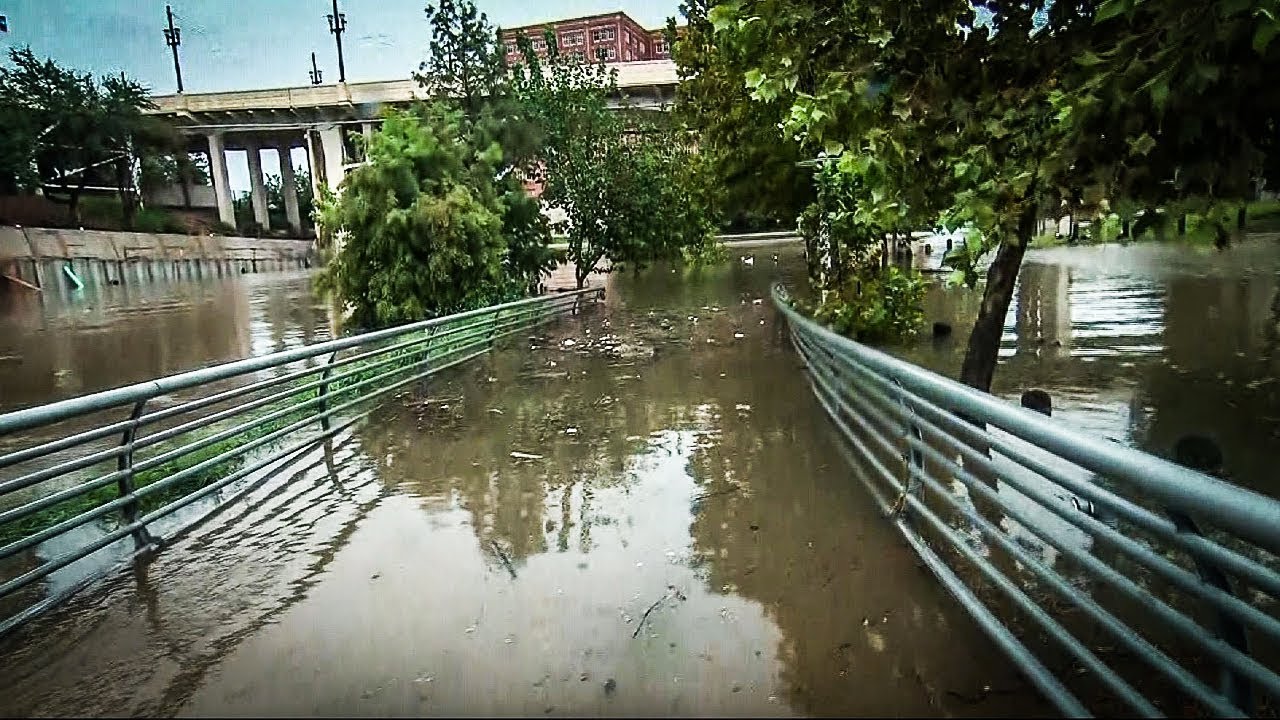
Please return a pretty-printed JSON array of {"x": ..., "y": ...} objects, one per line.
[
  {"x": 424, "y": 224},
  {"x": 930, "y": 110},
  {"x": 69, "y": 130},
  {"x": 757, "y": 167},
  {"x": 277, "y": 215},
  {"x": 616, "y": 176},
  {"x": 1174, "y": 106},
  {"x": 466, "y": 63}
]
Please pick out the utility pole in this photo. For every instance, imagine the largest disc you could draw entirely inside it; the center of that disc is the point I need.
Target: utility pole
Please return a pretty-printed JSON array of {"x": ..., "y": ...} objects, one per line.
[
  {"x": 338, "y": 25},
  {"x": 173, "y": 38},
  {"x": 314, "y": 72}
]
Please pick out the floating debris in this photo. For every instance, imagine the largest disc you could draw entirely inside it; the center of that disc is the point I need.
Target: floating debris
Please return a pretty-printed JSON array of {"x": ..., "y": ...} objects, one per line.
[
  {"x": 524, "y": 455},
  {"x": 738, "y": 335}
]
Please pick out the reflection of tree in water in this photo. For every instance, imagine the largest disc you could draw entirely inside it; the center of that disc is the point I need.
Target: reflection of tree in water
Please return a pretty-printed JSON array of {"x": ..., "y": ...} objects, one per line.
[
  {"x": 776, "y": 518},
  {"x": 587, "y": 416}
]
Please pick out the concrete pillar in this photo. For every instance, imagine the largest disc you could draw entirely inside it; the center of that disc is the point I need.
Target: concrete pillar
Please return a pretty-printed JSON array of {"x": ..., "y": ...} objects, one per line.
[
  {"x": 315, "y": 162},
  {"x": 221, "y": 183},
  {"x": 367, "y": 130},
  {"x": 257, "y": 188},
  {"x": 289, "y": 187},
  {"x": 332, "y": 156}
]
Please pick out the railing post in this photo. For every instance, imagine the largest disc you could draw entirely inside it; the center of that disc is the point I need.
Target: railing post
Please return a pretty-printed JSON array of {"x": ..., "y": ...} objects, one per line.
[
  {"x": 493, "y": 327},
  {"x": 912, "y": 456},
  {"x": 125, "y": 486},
  {"x": 324, "y": 391},
  {"x": 1234, "y": 685}
]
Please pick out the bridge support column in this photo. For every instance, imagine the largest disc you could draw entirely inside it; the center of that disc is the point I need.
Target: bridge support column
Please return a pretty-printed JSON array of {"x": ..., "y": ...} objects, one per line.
[
  {"x": 289, "y": 188},
  {"x": 257, "y": 189},
  {"x": 332, "y": 156},
  {"x": 221, "y": 183}
]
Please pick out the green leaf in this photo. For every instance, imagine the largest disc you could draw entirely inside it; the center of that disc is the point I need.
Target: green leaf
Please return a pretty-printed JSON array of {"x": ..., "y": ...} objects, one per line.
[
  {"x": 753, "y": 78},
  {"x": 1263, "y": 36},
  {"x": 1160, "y": 93},
  {"x": 1089, "y": 58},
  {"x": 1112, "y": 8},
  {"x": 832, "y": 148},
  {"x": 961, "y": 169},
  {"x": 722, "y": 16},
  {"x": 1143, "y": 144}
]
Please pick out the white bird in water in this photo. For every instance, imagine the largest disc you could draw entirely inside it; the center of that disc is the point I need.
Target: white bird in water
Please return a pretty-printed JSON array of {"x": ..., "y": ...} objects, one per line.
[{"x": 748, "y": 259}]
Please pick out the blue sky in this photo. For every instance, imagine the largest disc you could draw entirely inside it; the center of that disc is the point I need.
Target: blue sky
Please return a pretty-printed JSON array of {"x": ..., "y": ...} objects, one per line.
[{"x": 247, "y": 44}]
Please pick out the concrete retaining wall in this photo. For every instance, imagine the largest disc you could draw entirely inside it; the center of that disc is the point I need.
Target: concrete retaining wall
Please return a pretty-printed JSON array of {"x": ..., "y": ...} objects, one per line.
[{"x": 35, "y": 256}]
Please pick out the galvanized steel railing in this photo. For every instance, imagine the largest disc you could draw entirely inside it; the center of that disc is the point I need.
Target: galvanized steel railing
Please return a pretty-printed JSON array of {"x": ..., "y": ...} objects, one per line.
[
  {"x": 1118, "y": 582},
  {"x": 80, "y": 476}
]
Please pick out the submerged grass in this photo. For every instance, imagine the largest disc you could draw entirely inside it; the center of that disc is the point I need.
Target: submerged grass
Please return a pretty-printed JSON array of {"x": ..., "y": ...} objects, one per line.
[{"x": 351, "y": 381}]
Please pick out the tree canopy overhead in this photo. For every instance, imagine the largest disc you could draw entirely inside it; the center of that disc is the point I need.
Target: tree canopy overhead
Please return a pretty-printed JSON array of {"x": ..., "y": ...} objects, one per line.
[{"x": 992, "y": 115}]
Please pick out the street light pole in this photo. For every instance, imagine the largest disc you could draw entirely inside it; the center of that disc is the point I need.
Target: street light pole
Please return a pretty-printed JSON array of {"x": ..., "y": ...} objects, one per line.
[
  {"x": 173, "y": 38},
  {"x": 337, "y": 25},
  {"x": 315, "y": 72}
]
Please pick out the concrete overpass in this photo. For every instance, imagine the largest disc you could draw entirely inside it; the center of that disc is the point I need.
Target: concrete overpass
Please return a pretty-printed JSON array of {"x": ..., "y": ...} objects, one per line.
[{"x": 321, "y": 118}]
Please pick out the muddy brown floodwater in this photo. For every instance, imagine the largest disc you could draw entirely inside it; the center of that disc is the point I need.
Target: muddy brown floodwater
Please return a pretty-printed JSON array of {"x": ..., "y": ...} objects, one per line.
[{"x": 639, "y": 510}]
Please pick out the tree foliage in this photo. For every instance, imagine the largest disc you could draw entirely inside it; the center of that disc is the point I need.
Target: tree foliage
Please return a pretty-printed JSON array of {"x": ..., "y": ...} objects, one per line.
[
  {"x": 466, "y": 62},
  {"x": 437, "y": 220},
  {"x": 1174, "y": 105},
  {"x": 427, "y": 222},
  {"x": 65, "y": 130},
  {"x": 925, "y": 110},
  {"x": 756, "y": 167},
  {"x": 630, "y": 187}
]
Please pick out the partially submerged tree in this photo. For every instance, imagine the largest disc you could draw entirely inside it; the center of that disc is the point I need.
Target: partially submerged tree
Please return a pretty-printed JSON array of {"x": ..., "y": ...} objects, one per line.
[
  {"x": 926, "y": 110},
  {"x": 427, "y": 221},
  {"x": 437, "y": 220},
  {"x": 626, "y": 185}
]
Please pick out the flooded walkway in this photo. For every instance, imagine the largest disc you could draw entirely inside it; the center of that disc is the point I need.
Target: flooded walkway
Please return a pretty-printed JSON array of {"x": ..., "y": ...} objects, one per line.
[{"x": 638, "y": 511}]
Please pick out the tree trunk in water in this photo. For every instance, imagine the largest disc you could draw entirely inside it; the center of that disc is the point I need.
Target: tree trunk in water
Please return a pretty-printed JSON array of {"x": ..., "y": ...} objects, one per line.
[
  {"x": 1242, "y": 218},
  {"x": 984, "y": 344},
  {"x": 1124, "y": 229},
  {"x": 1182, "y": 224}
]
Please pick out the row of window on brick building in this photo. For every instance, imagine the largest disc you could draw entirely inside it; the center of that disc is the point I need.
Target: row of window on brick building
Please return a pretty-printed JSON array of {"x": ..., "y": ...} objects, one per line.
[{"x": 619, "y": 39}]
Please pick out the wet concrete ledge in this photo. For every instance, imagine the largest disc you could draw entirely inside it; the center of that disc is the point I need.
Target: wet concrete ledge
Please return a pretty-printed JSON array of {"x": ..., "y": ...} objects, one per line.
[{"x": 30, "y": 257}]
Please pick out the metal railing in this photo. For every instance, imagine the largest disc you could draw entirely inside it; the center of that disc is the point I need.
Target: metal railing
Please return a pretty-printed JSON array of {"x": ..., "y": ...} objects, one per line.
[
  {"x": 80, "y": 477},
  {"x": 1118, "y": 582}
]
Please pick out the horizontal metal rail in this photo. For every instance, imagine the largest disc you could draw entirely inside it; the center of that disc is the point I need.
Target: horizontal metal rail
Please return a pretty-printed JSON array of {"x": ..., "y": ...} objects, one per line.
[
  {"x": 1177, "y": 569},
  {"x": 106, "y": 461}
]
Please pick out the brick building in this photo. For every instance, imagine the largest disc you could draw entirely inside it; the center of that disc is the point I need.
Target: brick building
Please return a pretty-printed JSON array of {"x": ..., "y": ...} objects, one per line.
[{"x": 611, "y": 37}]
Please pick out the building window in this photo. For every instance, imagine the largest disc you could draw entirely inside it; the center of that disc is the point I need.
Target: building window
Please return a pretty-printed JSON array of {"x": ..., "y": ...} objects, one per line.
[
  {"x": 540, "y": 44},
  {"x": 602, "y": 34},
  {"x": 660, "y": 46},
  {"x": 571, "y": 39},
  {"x": 609, "y": 53},
  {"x": 511, "y": 47},
  {"x": 578, "y": 55}
]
